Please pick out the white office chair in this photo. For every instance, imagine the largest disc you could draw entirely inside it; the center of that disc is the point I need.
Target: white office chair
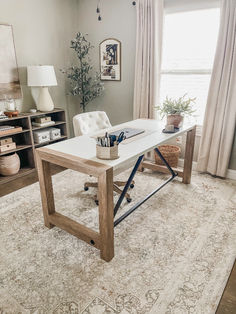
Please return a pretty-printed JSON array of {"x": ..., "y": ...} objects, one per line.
[{"x": 88, "y": 123}]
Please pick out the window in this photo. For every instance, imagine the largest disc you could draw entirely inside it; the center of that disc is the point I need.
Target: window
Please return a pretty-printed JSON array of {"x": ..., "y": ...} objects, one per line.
[{"x": 189, "y": 45}]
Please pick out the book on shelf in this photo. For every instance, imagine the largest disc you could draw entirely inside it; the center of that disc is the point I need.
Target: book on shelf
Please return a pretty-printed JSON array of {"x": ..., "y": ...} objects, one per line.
[
  {"x": 43, "y": 124},
  {"x": 3, "y": 117},
  {"x": 6, "y": 127}
]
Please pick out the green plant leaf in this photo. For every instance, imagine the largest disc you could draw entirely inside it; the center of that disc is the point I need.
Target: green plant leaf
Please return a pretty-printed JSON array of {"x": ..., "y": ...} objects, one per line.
[
  {"x": 83, "y": 81},
  {"x": 182, "y": 106}
]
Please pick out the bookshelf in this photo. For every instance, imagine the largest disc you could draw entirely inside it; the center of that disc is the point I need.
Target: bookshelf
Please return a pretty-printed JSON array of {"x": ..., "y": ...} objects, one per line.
[{"x": 25, "y": 146}]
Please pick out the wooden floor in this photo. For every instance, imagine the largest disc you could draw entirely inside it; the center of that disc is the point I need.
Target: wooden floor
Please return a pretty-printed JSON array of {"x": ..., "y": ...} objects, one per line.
[{"x": 227, "y": 303}]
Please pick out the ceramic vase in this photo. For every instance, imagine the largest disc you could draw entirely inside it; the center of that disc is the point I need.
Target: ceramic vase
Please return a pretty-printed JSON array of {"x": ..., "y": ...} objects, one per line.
[{"x": 9, "y": 165}]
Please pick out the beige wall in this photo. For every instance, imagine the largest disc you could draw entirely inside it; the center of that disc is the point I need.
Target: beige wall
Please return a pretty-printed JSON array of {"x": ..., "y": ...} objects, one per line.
[
  {"x": 118, "y": 21},
  {"x": 42, "y": 32}
]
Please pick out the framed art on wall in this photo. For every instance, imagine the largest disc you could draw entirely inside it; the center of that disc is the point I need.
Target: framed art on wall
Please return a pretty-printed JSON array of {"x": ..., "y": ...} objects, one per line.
[
  {"x": 110, "y": 60},
  {"x": 9, "y": 76}
]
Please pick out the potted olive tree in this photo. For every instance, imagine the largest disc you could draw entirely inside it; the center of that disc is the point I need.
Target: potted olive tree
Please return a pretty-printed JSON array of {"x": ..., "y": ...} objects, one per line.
[
  {"x": 176, "y": 109},
  {"x": 84, "y": 81}
]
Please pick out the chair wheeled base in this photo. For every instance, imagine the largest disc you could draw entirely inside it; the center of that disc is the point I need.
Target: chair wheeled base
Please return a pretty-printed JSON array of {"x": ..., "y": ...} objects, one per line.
[{"x": 116, "y": 189}]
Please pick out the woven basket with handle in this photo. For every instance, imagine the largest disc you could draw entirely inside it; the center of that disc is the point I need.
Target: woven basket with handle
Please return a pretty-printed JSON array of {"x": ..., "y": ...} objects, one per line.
[{"x": 170, "y": 153}]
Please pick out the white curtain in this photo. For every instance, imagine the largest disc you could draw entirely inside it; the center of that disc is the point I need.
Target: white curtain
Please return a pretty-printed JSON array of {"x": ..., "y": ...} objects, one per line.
[
  {"x": 220, "y": 115},
  {"x": 148, "y": 57}
]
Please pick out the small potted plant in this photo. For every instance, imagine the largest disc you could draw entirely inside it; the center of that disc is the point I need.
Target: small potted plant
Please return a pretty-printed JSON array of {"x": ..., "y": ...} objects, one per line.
[{"x": 176, "y": 109}]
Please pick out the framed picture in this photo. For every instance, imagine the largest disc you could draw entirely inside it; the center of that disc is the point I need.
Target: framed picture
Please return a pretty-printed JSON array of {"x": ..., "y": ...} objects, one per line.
[
  {"x": 110, "y": 60},
  {"x": 9, "y": 75}
]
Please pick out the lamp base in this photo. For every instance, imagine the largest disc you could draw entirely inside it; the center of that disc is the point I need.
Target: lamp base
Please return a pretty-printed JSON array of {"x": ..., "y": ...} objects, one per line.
[{"x": 45, "y": 102}]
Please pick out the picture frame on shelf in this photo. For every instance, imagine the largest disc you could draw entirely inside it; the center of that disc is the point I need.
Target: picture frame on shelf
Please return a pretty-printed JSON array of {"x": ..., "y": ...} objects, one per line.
[
  {"x": 110, "y": 59},
  {"x": 10, "y": 87}
]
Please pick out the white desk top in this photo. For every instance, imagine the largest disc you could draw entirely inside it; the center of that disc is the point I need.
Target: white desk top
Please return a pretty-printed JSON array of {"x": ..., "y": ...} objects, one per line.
[{"x": 85, "y": 146}]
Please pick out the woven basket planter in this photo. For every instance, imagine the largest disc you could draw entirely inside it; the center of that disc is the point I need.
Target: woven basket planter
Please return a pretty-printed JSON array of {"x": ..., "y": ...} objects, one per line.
[{"x": 170, "y": 153}]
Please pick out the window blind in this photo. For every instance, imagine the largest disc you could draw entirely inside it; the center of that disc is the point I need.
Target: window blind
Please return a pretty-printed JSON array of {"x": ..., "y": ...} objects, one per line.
[{"x": 174, "y": 6}]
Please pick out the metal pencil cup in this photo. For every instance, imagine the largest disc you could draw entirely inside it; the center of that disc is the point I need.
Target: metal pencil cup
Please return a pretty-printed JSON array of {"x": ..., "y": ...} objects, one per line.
[{"x": 107, "y": 152}]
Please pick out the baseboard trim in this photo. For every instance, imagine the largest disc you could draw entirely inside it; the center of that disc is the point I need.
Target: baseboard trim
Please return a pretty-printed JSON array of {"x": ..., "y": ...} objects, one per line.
[
  {"x": 231, "y": 174},
  {"x": 181, "y": 164}
]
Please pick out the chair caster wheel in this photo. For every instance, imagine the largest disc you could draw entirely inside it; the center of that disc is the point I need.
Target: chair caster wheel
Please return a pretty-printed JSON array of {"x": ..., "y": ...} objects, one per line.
[
  {"x": 97, "y": 202},
  {"x": 129, "y": 200},
  {"x": 86, "y": 188},
  {"x": 131, "y": 186}
]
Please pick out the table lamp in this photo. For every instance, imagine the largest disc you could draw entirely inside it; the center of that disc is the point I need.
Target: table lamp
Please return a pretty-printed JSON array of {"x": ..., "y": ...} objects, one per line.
[{"x": 42, "y": 76}]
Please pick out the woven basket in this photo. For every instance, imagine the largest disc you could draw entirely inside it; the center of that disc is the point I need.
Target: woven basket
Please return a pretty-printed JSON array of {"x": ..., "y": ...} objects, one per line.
[{"x": 170, "y": 153}]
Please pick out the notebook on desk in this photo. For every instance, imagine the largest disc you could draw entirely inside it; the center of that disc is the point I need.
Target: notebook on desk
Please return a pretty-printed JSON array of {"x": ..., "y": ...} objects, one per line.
[{"x": 128, "y": 132}]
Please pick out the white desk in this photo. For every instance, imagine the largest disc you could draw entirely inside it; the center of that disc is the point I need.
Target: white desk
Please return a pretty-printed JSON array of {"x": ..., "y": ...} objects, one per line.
[
  {"x": 79, "y": 154},
  {"x": 84, "y": 146}
]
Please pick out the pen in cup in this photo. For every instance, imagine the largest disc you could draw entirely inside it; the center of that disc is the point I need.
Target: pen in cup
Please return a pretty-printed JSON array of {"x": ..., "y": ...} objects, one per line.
[{"x": 110, "y": 140}]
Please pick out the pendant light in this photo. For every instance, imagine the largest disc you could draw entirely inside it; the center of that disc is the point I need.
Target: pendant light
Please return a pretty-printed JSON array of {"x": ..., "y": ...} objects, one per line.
[{"x": 99, "y": 11}]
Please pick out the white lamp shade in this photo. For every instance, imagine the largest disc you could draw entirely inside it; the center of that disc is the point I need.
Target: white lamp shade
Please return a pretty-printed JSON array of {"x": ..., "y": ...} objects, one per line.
[{"x": 41, "y": 75}]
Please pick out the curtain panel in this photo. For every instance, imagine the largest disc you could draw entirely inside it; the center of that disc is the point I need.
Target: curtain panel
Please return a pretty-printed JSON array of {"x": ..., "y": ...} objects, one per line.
[
  {"x": 220, "y": 115},
  {"x": 148, "y": 57}
]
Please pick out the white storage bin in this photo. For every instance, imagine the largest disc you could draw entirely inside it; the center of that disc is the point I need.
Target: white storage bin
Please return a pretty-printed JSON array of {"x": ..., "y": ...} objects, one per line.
[
  {"x": 55, "y": 133},
  {"x": 41, "y": 136}
]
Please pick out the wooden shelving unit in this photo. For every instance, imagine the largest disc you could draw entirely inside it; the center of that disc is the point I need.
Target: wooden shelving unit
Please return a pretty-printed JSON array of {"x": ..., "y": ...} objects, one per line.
[
  {"x": 23, "y": 171},
  {"x": 25, "y": 146}
]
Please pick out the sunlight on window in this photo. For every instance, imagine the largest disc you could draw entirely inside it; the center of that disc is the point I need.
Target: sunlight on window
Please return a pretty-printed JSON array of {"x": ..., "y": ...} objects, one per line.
[{"x": 188, "y": 53}]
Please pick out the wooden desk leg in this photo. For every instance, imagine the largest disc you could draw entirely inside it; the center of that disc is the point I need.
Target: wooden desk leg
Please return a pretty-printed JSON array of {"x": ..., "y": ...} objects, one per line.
[
  {"x": 106, "y": 214},
  {"x": 45, "y": 181},
  {"x": 188, "y": 158},
  {"x": 140, "y": 168}
]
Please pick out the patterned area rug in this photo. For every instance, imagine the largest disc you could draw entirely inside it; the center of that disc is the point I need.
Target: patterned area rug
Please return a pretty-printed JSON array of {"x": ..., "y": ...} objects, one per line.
[{"x": 173, "y": 255}]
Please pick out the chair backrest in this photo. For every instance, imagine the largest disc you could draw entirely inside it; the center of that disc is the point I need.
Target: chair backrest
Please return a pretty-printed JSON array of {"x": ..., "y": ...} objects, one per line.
[{"x": 89, "y": 122}]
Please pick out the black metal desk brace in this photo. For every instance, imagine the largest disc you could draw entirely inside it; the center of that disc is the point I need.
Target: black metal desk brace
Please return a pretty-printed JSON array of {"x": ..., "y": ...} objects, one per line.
[{"x": 133, "y": 208}]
